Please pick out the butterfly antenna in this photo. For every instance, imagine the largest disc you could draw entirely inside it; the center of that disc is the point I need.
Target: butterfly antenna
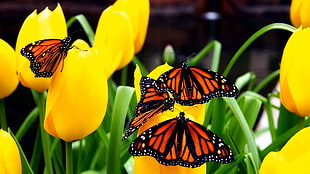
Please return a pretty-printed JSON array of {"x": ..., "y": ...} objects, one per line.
[
  {"x": 74, "y": 33},
  {"x": 73, "y": 46}
]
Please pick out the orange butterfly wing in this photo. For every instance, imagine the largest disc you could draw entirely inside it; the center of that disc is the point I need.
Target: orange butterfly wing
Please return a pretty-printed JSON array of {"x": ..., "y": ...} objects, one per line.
[
  {"x": 179, "y": 141},
  {"x": 46, "y": 55},
  {"x": 152, "y": 102},
  {"x": 192, "y": 85}
]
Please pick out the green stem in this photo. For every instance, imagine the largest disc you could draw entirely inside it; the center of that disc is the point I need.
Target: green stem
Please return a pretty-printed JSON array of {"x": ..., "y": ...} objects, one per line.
[
  {"x": 124, "y": 75},
  {"x": 44, "y": 135},
  {"x": 272, "y": 128},
  {"x": 69, "y": 166},
  {"x": 267, "y": 80},
  {"x": 27, "y": 123},
  {"x": 3, "y": 122},
  {"x": 253, "y": 38}
]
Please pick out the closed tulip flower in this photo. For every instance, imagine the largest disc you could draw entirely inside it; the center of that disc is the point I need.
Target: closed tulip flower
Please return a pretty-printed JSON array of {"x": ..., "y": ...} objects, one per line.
[
  {"x": 292, "y": 158},
  {"x": 138, "y": 12},
  {"x": 8, "y": 77},
  {"x": 45, "y": 25},
  {"x": 294, "y": 72},
  {"x": 77, "y": 97},
  {"x": 114, "y": 40},
  {"x": 121, "y": 32},
  {"x": 299, "y": 13},
  {"x": 9, "y": 154},
  {"x": 147, "y": 163}
]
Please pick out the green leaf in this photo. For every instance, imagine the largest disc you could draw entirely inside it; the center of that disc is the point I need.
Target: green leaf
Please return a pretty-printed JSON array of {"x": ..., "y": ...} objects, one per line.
[
  {"x": 256, "y": 35},
  {"x": 215, "y": 57},
  {"x": 231, "y": 167},
  {"x": 143, "y": 70},
  {"x": 122, "y": 100},
  {"x": 245, "y": 79},
  {"x": 287, "y": 120},
  {"x": 91, "y": 172},
  {"x": 248, "y": 134}
]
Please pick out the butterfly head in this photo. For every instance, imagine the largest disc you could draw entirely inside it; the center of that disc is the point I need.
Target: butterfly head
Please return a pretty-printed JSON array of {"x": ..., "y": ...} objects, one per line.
[
  {"x": 184, "y": 65},
  {"x": 66, "y": 44},
  {"x": 169, "y": 103}
]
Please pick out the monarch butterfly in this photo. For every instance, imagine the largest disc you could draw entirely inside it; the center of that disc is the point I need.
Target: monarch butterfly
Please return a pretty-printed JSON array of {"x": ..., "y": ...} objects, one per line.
[
  {"x": 192, "y": 85},
  {"x": 180, "y": 141},
  {"x": 46, "y": 55},
  {"x": 152, "y": 102}
]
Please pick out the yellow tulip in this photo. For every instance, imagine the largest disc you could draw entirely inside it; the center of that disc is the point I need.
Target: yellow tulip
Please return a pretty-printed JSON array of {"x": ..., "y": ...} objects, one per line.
[
  {"x": 8, "y": 77},
  {"x": 121, "y": 32},
  {"x": 10, "y": 162},
  {"x": 294, "y": 72},
  {"x": 45, "y": 25},
  {"x": 292, "y": 158},
  {"x": 77, "y": 97},
  {"x": 299, "y": 13},
  {"x": 113, "y": 39},
  {"x": 146, "y": 163},
  {"x": 138, "y": 12}
]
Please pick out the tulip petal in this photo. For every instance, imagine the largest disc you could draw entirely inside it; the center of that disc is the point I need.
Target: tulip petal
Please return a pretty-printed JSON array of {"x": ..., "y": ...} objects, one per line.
[
  {"x": 294, "y": 12},
  {"x": 77, "y": 97},
  {"x": 293, "y": 158},
  {"x": 8, "y": 78},
  {"x": 299, "y": 13},
  {"x": 304, "y": 13},
  {"x": 137, "y": 77},
  {"x": 146, "y": 163},
  {"x": 294, "y": 72},
  {"x": 45, "y": 25},
  {"x": 114, "y": 35},
  {"x": 138, "y": 12},
  {"x": 10, "y": 162}
]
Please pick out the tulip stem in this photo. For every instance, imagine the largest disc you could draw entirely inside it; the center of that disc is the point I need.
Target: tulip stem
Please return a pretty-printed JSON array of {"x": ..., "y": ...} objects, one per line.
[
  {"x": 3, "y": 122},
  {"x": 69, "y": 167},
  {"x": 124, "y": 75},
  {"x": 44, "y": 135}
]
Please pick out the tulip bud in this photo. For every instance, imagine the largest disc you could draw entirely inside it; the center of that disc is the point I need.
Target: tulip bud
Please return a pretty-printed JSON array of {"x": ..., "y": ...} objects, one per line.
[{"x": 9, "y": 155}]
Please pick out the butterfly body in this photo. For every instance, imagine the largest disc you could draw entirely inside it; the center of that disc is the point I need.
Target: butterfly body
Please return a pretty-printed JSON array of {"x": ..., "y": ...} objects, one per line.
[
  {"x": 152, "y": 102},
  {"x": 180, "y": 141},
  {"x": 193, "y": 85},
  {"x": 46, "y": 55}
]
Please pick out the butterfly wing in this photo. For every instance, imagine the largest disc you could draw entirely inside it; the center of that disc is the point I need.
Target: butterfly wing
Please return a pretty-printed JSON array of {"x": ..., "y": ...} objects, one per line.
[
  {"x": 152, "y": 102},
  {"x": 46, "y": 55},
  {"x": 204, "y": 145},
  {"x": 192, "y": 85},
  {"x": 180, "y": 141},
  {"x": 158, "y": 142}
]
